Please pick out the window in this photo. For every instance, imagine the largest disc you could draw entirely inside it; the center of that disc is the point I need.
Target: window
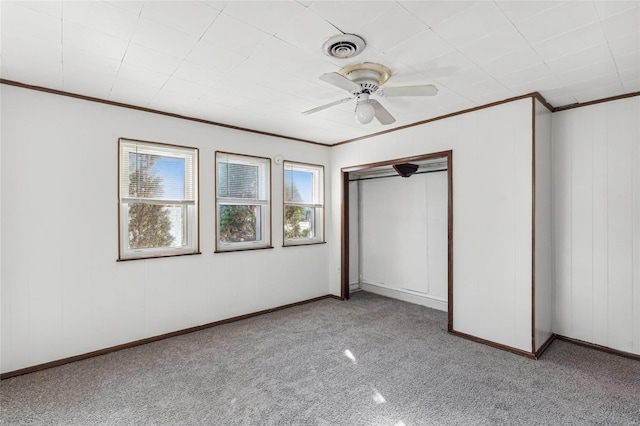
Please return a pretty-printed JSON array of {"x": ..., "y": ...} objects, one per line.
[
  {"x": 243, "y": 207},
  {"x": 303, "y": 204},
  {"x": 158, "y": 192}
]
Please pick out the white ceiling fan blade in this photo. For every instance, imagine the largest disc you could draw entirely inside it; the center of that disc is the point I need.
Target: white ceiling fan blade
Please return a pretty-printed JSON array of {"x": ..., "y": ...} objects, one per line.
[
  {"x": 340, "y": 81},
  {"x": 382, "y": 115},
  {"x": 320, "y": 108},
  {"x": 424, "y": 90}
]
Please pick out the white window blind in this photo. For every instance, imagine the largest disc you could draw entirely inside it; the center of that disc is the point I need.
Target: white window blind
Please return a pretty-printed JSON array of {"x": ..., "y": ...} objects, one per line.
[
  {"x": 154, "y": 172},
  {"x": 240, "y": 179}
]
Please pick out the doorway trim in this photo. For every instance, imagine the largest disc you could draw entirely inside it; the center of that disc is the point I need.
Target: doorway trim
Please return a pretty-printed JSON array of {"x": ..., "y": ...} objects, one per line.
[{"x": 344, "y": 221}]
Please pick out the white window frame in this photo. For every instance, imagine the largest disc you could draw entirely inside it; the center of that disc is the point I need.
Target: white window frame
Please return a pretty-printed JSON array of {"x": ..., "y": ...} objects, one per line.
[
  {"x": 189, "y": 203},
  {"x": 263, "y": 240},
  {"x": 317, "y": 203}
]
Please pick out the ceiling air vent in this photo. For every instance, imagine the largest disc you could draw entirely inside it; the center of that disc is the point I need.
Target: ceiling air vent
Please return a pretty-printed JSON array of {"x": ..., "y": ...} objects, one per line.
[{"x": 343, "y": 46}]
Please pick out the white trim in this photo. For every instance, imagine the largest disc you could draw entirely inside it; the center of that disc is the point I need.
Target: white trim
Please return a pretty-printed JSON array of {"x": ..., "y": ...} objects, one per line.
[
  {"x": 406, "y": 295},
  {"x": 158, "y": 201},
  {"x": 242, "y": 201},
  {"x": 291, "y": 242},
  {"x": 311, "y": 206}
]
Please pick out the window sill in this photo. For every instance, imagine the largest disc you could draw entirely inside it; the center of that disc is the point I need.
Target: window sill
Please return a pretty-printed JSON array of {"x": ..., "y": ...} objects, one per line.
[
  {"x": 160, "y": 256},
  {"x": 244, "y": 249},
  {"x": 315, "y": 243}
]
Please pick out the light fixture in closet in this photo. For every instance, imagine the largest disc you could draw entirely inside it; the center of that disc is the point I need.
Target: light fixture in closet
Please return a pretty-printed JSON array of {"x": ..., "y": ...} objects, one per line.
[{"x": 405, "y": 169}]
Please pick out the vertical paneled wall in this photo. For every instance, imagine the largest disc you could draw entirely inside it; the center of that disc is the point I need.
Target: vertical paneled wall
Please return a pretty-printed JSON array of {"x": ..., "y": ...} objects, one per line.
[
  {"x": 64, "y": 293},
  {"x": 596, "y": 173},
  {"x": 404, "y": 238},
  {"x": 543, "y": 272},
  {"x": 492, "y": 208}
]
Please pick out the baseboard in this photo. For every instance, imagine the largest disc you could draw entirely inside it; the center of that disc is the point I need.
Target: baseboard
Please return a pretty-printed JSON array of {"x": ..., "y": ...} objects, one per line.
[
  {"x": 104, "y": 351},
  {"x": 545, "y": 345},
  {"x": 494, "y": 344},
  {"x": 406, "y": 296},
  {"x": 598, "y": 347}
]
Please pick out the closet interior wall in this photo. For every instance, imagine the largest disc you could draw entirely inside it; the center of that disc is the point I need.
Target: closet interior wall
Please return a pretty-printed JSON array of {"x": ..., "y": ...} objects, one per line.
[{"x": 401, "y": 236}]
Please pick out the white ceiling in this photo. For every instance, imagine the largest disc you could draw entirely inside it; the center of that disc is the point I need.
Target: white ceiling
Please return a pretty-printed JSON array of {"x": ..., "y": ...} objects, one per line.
[{"x": 256, "y": 64}]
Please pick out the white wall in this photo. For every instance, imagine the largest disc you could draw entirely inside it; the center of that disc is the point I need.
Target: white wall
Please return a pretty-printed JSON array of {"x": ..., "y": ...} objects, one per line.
[
  {"x": 492, "y": 212},
  {"x": 543, "y": 227},
  {"x": 63, "y": 293},
  {"x": 404, "y": 238},
  {"x": 596, "y": 172}
]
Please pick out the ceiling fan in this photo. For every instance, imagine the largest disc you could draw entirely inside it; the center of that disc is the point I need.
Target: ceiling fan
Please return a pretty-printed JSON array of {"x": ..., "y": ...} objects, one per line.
[{"x": 364, "y": 80}]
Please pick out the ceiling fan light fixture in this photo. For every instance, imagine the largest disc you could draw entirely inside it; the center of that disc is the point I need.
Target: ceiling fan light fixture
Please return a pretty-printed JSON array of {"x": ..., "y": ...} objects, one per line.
[{"x": 364, "y": 110}]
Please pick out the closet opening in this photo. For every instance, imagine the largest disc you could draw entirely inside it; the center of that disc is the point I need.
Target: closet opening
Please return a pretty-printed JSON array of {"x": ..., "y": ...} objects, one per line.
[{"x": 397, "y": 230}]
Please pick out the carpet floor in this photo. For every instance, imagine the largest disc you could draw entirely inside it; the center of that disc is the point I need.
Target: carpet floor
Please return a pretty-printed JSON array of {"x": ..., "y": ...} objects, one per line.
[{"x": 369, "y": 361}]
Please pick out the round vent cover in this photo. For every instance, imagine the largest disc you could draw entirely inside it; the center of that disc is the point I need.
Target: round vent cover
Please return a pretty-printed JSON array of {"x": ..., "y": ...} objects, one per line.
[{"x": 343, "y": 46}]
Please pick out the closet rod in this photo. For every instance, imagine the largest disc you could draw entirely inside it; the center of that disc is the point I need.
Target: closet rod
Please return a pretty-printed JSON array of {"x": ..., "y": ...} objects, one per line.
[{"x": 390, "y": 176}]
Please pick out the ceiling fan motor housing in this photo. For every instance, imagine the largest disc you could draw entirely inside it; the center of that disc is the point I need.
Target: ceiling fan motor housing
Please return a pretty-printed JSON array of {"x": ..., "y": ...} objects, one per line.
[
  {"x": 367, "y": 79},
  {"x": 369, "y": 76}
]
